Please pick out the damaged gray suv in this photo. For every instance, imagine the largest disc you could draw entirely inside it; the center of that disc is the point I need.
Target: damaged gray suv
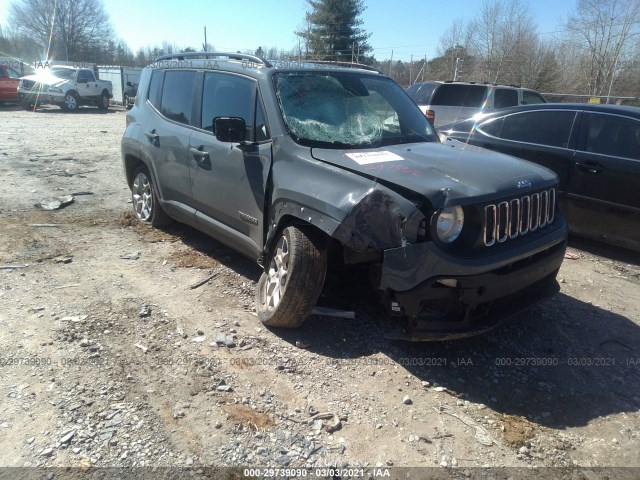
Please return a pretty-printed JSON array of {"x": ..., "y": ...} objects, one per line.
[{"x": 304, "y": 165}]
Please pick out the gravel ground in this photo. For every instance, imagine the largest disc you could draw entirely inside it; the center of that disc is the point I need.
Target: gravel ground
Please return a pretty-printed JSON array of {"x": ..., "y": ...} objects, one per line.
[{"x": 124, "y": 346}]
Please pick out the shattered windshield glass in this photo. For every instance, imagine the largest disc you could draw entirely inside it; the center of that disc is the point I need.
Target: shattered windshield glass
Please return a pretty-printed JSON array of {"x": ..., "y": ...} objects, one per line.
[
  {"x": 64, "y": 73},
  {"x": 349, "y": 110}
]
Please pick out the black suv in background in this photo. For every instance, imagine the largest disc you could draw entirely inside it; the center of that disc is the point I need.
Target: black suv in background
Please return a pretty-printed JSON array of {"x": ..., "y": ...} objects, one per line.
[
  {"x": 594, "y": 149},
  {"x": 304, "y": 165},
  {"x": 129, "y": 95},
  {"x": 447, "y": 102}
]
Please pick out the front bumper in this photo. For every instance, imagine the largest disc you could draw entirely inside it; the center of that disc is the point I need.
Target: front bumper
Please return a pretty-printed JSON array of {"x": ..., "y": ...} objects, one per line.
[
  {"x": 40, "y": 97},
  {"x": 448, "y": 297}
]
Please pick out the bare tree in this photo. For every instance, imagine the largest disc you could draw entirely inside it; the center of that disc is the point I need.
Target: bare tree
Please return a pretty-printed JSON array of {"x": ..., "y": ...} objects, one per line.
[
  {"x": 603, "y": 32},
  {"x": 452, "y": 51},
  {"x": 501, "y": 28},
  {"x": 66, "y": 29}
]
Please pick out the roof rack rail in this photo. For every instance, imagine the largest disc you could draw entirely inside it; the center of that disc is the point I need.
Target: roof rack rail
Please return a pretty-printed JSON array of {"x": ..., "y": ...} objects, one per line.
[
  {"x": 230, "y": 56},
  {"x": 343, "y": 64}
]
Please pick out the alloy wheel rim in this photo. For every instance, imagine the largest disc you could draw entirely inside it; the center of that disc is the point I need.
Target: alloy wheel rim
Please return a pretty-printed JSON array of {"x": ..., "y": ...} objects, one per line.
[
  {"x": 141, "y": 196},
  {"x": 70, "y": 101},
  {"x": 278, "y": 274}
]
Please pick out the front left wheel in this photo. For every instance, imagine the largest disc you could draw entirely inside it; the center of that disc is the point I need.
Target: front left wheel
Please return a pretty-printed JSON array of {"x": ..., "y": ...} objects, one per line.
[
  {"x": 289, "y": 288},
  {"x": 70, "y": 102}
]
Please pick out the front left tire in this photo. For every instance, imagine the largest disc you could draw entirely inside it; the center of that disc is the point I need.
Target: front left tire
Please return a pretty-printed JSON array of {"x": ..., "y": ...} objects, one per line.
[
  {"x": 70, "y": 102},
  {"x": 290, "y": 286}
]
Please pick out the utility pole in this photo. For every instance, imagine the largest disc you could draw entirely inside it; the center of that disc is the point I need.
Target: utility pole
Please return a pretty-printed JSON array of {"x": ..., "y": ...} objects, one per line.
[
  {"x": 455, "y": 73},
  {"x": 411, "y": 70},
  {"x": 424, "y": 67},
  {"x": 204, "y": 46}
]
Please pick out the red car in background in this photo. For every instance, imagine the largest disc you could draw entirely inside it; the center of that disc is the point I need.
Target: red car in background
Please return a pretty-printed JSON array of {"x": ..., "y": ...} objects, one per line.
[{"x": 9, "y": 79}]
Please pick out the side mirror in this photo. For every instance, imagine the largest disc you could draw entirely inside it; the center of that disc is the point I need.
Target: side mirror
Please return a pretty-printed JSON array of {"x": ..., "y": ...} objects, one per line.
[
  {"x": 83, "y": 80},
  {"x": 230, "y": 129}
]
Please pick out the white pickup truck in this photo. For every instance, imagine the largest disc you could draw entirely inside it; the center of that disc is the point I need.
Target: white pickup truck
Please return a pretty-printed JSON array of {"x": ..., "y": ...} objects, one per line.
[{"x": 67, "y": 87}]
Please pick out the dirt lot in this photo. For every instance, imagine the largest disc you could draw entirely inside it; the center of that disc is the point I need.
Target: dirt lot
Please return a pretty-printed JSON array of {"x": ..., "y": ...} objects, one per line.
[{"x": 113, "y": 356}]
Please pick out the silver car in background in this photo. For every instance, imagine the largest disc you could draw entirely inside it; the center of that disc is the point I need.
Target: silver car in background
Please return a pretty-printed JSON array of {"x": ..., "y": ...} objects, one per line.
[{"x": 448, "y": 102}]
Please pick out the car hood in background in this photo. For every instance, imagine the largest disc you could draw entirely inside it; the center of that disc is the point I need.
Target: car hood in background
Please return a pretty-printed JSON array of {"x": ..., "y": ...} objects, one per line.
[
  {"x": 446, "y": 174},
  {"x": 49, "y": 80}
]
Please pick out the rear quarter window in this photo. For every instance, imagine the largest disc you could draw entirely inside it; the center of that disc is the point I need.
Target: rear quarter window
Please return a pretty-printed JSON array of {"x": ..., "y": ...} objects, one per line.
[
  {"x": 455, "y": 95},
  {"x": 505, "y": 97},
  {"x": 532, "y": 98},
  {"x": 543, "y": 127},
  {"x": 177, "y": 96},
  {"x": 154, "y": 88},
  {"x": 422, "y": 96}
]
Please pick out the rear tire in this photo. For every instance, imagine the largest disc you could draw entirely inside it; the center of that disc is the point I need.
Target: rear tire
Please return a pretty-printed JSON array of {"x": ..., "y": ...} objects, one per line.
[
  {"x": 103, "y": 101},
  {"x": 145, "y": 199},
  {"x": 289, "y": 288}
]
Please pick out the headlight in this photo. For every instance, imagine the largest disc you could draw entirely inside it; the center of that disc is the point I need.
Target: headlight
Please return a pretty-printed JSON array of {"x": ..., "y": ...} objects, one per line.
[
  {"x": 449, "y": 224},
  {"x": 55, "y": 90}
]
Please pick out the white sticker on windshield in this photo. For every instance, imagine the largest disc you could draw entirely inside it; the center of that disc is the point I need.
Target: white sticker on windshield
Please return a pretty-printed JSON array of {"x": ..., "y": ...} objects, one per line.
[{"x": 365, "y": 158}]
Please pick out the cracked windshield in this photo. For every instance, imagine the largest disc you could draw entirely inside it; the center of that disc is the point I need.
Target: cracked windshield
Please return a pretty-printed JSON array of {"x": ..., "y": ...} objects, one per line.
[{"x": 347, "y": 110}]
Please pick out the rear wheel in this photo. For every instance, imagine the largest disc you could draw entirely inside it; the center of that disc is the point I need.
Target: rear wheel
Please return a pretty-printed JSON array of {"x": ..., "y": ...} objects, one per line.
[
  {"x": 145, "y": 199},
  {"x": 103, "y": 101},
  {"x": 289, "y": 288}
]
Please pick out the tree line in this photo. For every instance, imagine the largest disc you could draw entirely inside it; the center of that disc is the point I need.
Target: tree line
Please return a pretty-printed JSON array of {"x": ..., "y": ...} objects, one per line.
[{"x": 595, "y": 52}]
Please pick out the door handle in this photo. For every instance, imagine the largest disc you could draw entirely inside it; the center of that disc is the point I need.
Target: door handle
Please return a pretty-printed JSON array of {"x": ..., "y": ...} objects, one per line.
[
  {"x": 152, "y": 136},
  {"x": 201, "y": 156},
  {"x": 589, "y": 167}
]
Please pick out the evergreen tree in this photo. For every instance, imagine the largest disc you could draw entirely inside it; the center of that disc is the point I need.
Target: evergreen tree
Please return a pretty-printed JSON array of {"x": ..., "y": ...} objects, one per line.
[{"x": 334, "y": 31}]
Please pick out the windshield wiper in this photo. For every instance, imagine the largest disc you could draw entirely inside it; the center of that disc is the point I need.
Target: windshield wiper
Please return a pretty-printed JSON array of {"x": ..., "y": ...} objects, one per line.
[
  {"x": 333, "y": 144},
  {"x": 411, "y": 138}
]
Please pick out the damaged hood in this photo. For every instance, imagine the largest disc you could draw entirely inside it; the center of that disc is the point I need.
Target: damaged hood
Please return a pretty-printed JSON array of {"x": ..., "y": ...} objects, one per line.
[
  {"x": 45, "y": 79},
  {"x": 444, "y": 173}
]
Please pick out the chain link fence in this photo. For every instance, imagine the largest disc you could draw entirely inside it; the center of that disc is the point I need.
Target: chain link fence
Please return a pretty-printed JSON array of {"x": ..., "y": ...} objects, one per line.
[{"x": 604, "y": 99}]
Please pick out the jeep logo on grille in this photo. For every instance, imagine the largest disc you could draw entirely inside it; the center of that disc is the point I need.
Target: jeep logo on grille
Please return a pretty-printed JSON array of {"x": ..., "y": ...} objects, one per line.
[{"x": 524, "y": 184}]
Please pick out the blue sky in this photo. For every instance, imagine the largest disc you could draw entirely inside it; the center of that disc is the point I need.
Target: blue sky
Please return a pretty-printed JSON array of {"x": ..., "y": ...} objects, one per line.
[{"x": 406, "y": 28}]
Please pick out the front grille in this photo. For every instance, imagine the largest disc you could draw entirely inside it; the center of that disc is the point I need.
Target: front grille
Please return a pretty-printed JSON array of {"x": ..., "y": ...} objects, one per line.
[{"x": 519, "y": 216}]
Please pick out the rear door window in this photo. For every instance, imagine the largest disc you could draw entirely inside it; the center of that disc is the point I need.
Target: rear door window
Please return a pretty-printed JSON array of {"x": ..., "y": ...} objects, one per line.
[
  {"x": 543, "y": 127},
  {"x": 505, "y": 97},
  {"x": 86, "y": 75},
  {"x": 456, "y": 95},
  {"x": 613, "y": 135},
  {"x": 177, "y": 96}
]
